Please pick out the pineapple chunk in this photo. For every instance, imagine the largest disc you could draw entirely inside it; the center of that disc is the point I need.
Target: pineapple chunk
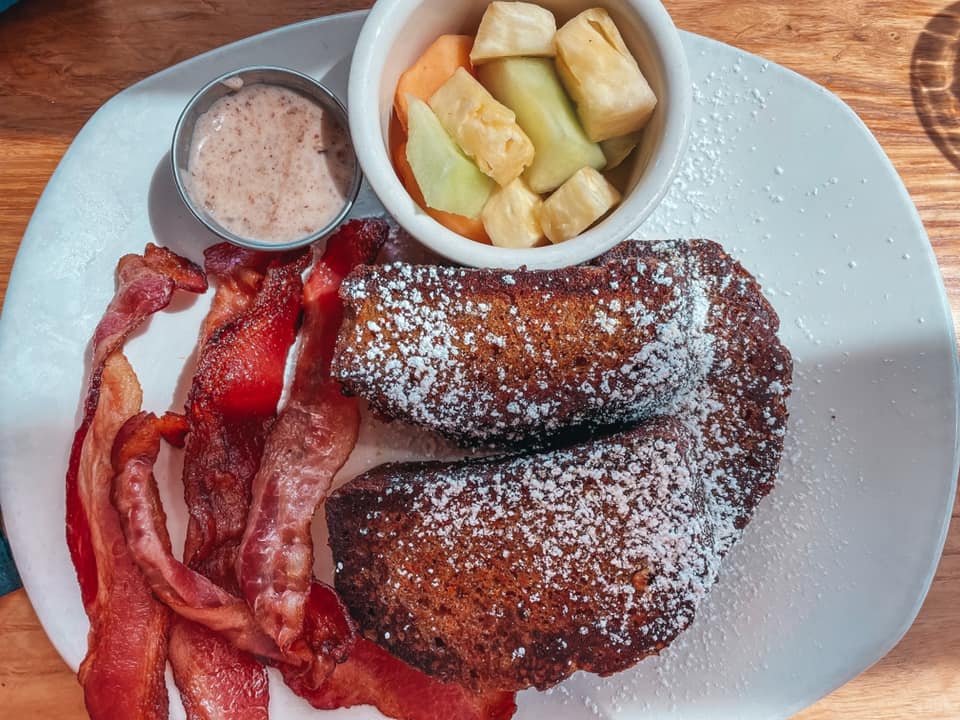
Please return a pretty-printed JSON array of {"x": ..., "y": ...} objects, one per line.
[
  {"x": 485, "y": 130},
  {"x": 595, "y": 66},
  {"x": 577, "y": 204},
  {"x": 509, "y": 29},
  {"x": 512, "y": 216},
  {"x": 447, "y": 178},
  {"x": 617, "y": 149}
]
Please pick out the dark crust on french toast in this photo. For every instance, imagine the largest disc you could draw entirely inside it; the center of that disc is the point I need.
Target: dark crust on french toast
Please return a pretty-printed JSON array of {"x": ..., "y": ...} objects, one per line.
[
  {"x": 508, "y": 606},
  {"x": 740, "y": 411},
  {"x": 488, "y": 357},
  {"x": 402, "y": 544}
]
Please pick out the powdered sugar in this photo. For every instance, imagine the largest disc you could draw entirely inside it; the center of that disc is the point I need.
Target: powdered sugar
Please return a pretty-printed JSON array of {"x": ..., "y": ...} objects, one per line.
[
  {"x": 481, "y": 356},
  {"x": 616, "y": 540}
]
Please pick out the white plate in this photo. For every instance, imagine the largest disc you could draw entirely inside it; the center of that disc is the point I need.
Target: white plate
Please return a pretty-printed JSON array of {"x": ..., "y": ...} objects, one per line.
[{"x": 834, "y": 567}]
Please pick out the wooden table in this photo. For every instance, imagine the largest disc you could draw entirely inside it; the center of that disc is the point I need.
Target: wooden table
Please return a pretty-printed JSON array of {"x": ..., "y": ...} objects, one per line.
[{"x": 60, "y": 61}]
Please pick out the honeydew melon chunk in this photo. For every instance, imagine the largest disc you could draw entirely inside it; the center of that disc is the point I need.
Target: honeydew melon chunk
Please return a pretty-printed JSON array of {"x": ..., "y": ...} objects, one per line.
[
  {"x": 530, "y": 87},
  {"x": 448, "y": 179}
]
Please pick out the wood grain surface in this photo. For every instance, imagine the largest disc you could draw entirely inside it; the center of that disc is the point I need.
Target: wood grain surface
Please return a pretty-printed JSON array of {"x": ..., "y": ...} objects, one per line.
[{"x": 892, "y": 61}]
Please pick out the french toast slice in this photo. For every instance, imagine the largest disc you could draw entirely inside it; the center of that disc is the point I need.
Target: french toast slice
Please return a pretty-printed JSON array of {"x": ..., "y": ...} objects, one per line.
[
  {"x": 515, "y": 572},
  {"x": 488, "y": 357},
  {"x": 739, "y": 411},
  {"x": 728, "y": 430}
]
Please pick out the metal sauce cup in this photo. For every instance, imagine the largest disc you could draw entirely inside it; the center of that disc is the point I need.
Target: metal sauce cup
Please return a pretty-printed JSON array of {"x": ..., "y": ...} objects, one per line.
[{"x": 225, "y": 85}]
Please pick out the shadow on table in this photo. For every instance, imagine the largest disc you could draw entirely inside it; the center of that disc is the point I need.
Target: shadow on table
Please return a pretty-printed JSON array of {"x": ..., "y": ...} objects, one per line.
[{"x": 935, "y": 81}]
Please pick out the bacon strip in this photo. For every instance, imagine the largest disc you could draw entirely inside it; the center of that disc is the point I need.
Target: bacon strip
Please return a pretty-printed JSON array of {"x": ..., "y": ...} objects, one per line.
[
  {"x": 232, "y": 403},
  {"x": 311, "y": 440},
  {"x": 144, "y": 522},
  {"x": 213, "y": 683},
  {"x": 238, "y": 273},
  {"x": 190, "y": 594},
  {"x": 216, "y": 681},
  {"x": 372, "y": 676},
  {"x": 122, "y": 675},
  {"x": 145, "y": 284}
]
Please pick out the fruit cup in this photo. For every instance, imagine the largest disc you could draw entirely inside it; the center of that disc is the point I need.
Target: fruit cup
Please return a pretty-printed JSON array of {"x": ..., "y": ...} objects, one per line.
[{"x": 395, "y": 35}]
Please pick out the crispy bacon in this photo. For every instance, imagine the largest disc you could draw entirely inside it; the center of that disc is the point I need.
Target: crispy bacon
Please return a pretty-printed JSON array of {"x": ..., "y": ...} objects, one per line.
[
  {"x": 216, "y": 680},
  {"x": 185, "y": 591},
  {"x": 238, "y": 273},
  {"x": 122, "y": 675},
  {"x": 196, "y": 598},
  {"x": 372, "y": 676},
  {"x": 145, "y": 284},
  {"x": 239, "y": 377},
  {"x": 309, "y": 443},
  {"x": 144, "y": 522},
  {"x": 232, "y": 403}
]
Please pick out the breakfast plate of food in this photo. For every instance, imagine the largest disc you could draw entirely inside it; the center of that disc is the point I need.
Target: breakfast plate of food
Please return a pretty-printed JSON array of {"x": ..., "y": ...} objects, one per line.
[{"x": 584, "y": 403}]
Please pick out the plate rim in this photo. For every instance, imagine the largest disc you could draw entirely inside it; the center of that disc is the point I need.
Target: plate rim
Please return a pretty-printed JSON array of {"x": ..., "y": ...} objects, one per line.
[
  {"x": 930, "y": 258},
  {"x": 933, "y": 264},
  {"x": 886, "y": 644}
]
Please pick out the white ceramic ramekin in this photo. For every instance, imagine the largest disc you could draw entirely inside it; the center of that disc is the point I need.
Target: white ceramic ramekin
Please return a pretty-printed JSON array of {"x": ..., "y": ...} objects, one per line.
[{"x": 397, "y": 32}]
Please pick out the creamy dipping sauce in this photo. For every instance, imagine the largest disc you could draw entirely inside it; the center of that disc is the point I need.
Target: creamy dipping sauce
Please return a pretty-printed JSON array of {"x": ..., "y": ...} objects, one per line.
[{"x": 269, "y": 164}]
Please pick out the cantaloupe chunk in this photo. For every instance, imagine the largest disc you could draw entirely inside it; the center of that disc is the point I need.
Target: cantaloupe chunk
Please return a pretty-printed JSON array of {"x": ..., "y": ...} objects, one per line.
[{"x": 432, "y": 70}]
